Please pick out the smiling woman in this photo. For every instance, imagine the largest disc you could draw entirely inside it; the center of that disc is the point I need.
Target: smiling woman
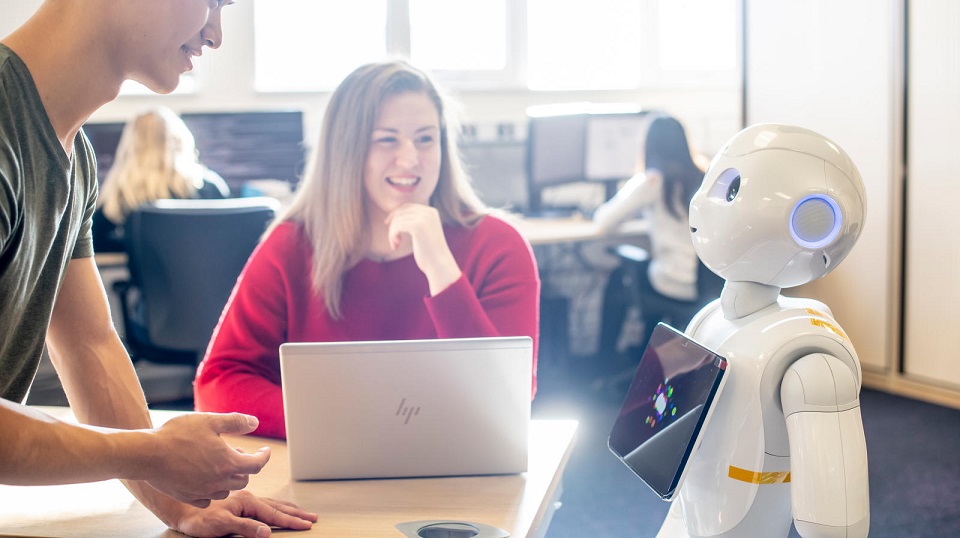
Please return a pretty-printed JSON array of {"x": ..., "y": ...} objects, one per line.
[{"x": 385, "y": 240}]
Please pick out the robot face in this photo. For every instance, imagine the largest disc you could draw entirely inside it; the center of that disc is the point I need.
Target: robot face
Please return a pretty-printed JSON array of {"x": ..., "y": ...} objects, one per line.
[{"x": 779, "y": 205}]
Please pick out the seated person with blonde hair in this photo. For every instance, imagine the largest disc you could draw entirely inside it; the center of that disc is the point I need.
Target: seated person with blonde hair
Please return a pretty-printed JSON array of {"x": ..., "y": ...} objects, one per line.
[{"x": 156, "y": 159}]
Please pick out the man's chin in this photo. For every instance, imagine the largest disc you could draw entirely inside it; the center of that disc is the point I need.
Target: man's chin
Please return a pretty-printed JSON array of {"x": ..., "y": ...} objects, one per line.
[{"x": 158, "y": 86}]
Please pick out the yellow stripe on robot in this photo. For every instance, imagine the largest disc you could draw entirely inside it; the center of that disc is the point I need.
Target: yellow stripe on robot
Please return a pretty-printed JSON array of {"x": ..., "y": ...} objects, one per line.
[
  {"x": 825, "y": 324},
  {"x": 754, "y": 477}
]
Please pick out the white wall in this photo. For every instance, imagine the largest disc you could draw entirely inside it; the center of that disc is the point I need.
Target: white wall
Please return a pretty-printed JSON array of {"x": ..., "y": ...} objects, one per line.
[
  {"x": 834, "y": 67},
  {"x": 931, "y": 336},
  {"x": 225, "y": 84}
]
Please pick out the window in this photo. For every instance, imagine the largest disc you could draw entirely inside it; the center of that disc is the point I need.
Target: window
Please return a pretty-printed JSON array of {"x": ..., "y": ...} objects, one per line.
[
  {"x": 583, "y": 45},
  {"x": 306, "y": 45},
  {"x": 707, "y": 41},
  {"x": 478, "y": 46}
]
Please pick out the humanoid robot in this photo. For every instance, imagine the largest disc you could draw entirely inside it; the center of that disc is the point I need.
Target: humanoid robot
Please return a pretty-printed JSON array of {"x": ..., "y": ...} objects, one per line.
[{"x": 779, "y": 206}]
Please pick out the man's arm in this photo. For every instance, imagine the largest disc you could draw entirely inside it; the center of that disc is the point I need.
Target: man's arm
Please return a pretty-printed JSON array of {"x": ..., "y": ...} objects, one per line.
[
  {"x": 45, "y": 450},
  {"x": 94, "y": 368},
  {"x": 186, "y": 457}
]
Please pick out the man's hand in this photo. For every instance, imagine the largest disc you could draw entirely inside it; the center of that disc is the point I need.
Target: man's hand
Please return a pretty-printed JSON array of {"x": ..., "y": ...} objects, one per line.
[
  {"x": 244, "y": 514},
  {"x": 192, "y": 464}
]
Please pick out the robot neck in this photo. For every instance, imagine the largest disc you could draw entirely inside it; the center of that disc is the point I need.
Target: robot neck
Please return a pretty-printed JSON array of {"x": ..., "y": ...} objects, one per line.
[{"x": 740, "y": 299}]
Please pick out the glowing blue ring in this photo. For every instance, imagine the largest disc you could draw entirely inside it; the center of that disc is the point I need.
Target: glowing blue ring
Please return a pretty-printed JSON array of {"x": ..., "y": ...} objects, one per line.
[{"x": 834, "y": 232}]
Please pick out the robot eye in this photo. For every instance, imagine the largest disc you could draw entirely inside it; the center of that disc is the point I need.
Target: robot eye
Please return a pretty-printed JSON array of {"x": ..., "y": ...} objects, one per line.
[
  {"x": 726, "y": 187},
  {"x": 733, "y": 188}
]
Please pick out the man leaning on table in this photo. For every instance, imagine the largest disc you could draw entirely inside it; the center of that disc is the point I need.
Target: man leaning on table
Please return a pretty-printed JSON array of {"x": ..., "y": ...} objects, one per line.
[{"x": 66, "y": 61}]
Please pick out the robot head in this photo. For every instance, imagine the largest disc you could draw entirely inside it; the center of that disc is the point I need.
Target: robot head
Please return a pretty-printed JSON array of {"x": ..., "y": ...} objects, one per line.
[{"x": 779, "y": 205}]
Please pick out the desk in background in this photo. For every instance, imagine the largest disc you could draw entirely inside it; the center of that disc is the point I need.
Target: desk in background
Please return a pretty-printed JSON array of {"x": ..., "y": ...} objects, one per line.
[
  {"x": 539, "y": 231},
  {"x": 521, "y": 504},
  {"x": 108, "y": 260},
  {"x": 574, "y": 267},
  {"x": 113, "y": 267},
  {"x": 573, "y": 230}
]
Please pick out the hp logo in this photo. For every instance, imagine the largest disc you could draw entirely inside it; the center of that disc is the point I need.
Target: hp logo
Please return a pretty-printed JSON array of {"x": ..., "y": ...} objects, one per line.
[{"x": 406, "y": 412}]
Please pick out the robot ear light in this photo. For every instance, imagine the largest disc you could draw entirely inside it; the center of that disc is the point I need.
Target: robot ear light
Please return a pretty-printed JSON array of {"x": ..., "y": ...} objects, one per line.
[{"x": 815, "y": 221}]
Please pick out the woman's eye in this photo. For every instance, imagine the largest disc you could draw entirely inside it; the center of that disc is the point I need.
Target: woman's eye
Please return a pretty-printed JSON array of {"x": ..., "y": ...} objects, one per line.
[{"x": 425, "y": 139}]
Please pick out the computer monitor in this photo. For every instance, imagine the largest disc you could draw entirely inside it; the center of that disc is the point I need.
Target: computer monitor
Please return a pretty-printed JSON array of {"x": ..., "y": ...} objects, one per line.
[
  {"x": 243, "y": 146},
  {"x": 497, "y": 170},
  {"x": 104, "y": 137},
  {"x": 240, "y": 146},
  {"x": 581, "y": 142}
]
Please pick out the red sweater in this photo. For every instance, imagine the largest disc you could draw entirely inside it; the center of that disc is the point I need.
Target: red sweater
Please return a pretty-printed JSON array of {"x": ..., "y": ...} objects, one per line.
[{"x": 272, "y": 303}]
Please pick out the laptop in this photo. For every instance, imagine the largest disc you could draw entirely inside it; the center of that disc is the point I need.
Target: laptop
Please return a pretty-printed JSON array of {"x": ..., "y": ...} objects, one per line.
[{"x": 408, "y": 408}]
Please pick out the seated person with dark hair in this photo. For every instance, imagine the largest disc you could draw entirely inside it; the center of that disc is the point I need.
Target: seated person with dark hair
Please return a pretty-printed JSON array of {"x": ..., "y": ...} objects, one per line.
[{"x": 668, "y": 286}]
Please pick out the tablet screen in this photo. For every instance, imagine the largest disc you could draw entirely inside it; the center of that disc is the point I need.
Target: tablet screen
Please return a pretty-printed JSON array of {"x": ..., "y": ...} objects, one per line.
[{"x": 666, "y": 408}]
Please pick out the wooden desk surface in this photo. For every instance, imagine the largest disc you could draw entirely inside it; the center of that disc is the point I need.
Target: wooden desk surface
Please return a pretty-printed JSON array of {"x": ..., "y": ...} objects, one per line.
[
  {"x": 347, "y": 508},
  {"x": 546, "y": 231},
  {"x": 110, "y": 259}
]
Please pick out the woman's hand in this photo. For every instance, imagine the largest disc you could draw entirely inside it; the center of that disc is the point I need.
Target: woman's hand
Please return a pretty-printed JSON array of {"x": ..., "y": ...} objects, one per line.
[{"x": 421, "y": 226}]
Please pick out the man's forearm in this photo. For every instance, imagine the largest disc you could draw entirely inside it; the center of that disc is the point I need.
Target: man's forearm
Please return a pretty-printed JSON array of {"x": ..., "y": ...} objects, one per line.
[
  {"x": 47, "y": 451},
  {"x": 101, "y": 384},
  {"x": 114, "y": 398},
  {"x": 44, "y": 450},
  {"x": 166, "y": 508}
]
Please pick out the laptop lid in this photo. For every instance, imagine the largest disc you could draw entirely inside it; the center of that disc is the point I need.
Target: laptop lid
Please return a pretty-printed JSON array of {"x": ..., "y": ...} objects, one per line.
[{"x": 409, "y": 408}]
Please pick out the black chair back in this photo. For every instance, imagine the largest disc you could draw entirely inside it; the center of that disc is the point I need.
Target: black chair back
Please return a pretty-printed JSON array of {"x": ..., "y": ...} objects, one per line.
[{"x": 184, "y": 260}]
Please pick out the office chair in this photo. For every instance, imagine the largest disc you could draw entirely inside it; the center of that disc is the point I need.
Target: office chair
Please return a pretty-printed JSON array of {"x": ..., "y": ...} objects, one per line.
[
  {"x": 184, "y": 257},
  {"x": 629, "y": 287}
]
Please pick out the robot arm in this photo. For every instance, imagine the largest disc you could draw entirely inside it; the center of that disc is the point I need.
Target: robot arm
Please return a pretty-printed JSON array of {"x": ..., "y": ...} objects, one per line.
[{"x": 828, "y": 452}]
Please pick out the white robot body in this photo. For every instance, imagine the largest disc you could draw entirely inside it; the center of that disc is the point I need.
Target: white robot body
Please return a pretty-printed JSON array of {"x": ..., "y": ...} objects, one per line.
[
  {"x": 740, "y": 482},
  {"x": 779, "y": 206},
  {"x": 824, "y": 419}
]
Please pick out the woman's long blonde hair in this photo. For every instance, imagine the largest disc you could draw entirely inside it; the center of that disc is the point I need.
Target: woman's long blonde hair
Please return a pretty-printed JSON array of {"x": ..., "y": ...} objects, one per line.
[
  {"x": 331, "y": 202},
  {"x": 156, "y": 159}
]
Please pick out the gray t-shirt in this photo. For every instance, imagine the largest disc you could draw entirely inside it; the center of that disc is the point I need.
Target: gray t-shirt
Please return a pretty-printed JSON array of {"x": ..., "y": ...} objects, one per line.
[{"x": 46, "y": 204}]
